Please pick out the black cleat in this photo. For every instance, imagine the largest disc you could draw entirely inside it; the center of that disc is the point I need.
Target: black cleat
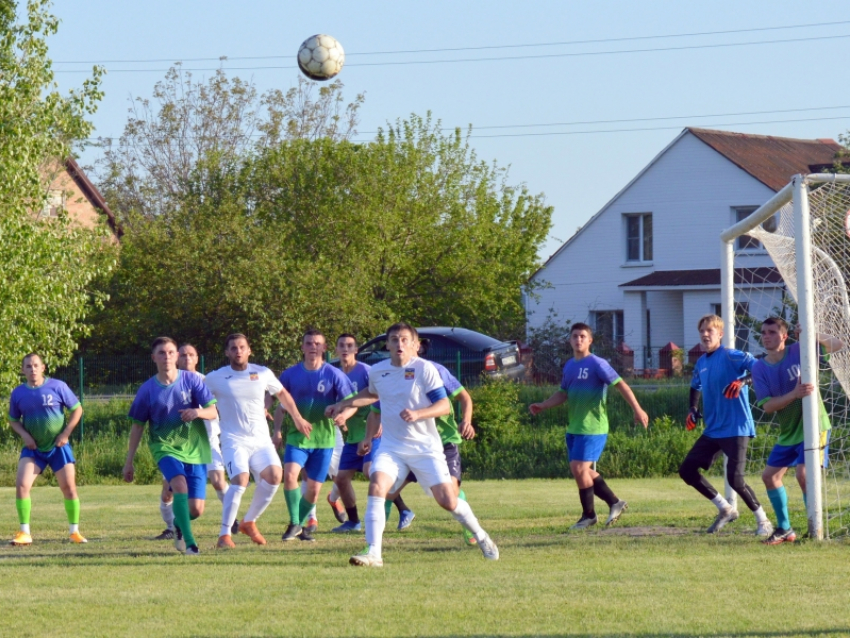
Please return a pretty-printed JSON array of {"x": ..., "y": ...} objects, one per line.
[
  {"x": 292, "y": 532},
  {"x": 305, "y": 535},
  {"x": 167, "y": 535},
  {"x": 234, "y": 529}
]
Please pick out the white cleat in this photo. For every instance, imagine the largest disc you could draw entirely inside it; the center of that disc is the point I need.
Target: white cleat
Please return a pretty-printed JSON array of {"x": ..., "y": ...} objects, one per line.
[
  {"x": 723, "y": 518},
  {"x": 765, "y": 529},
  {"x": 488, "y": 548},
  {"x": 616, "y": 510},
  {"x": 366, "y": 559}
]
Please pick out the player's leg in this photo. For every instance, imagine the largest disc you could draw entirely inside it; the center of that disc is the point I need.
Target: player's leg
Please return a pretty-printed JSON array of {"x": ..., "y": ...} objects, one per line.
[
  {"x": 166, "y": 510},
  {"x": 265, "y": 462},
  {"x": 405, "y": 514},
  {"x": 781, "y": 458},
  {"x": 735, "y": 449},
  {"x": 237, "y": 463},
  {"x": 29, "y": 467},
  {"x": 174, "y": 471},
  {"x": 316, "y": 471},
  {"x": 700, "y": 457},
  {"x": 334, "y": 499},
  {"x": 343, "y": 483},
  {"x": 293, "y": 461},
  {"x": 65, "y": 469},
  {"x": 386, "y": 469}
]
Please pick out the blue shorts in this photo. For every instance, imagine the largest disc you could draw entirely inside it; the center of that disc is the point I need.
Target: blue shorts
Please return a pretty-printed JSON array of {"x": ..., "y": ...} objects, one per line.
[
  {"x": 314, "y": 461},
  {"x": 585, "y": 447},
  {"x": 194, "y": 473},
  {"x": 350, "y": 460},
  {"x": 793, "y": 455},
  {"x": 57, "y": 458}
]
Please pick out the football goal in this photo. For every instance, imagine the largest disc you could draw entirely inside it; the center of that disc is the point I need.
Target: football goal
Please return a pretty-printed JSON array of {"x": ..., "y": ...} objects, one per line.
[{"x": 790, "y": 258}]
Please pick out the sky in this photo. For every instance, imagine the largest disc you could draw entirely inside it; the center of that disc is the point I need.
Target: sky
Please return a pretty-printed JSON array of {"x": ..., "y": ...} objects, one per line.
[{"x": 574, "y": 98}]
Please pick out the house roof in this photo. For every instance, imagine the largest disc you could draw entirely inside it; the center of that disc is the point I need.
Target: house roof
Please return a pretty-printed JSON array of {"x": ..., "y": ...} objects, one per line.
[
  {"x": 91, "y": 193},
  {"x": 706, "y": 277},
  {"x": 771, "y": 160}
]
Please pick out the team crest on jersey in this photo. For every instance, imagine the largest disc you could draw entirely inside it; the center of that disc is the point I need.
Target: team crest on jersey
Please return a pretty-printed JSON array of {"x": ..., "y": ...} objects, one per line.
[
  {"x": 409, "y": 373},
  {"x": 254, "y": 376}
]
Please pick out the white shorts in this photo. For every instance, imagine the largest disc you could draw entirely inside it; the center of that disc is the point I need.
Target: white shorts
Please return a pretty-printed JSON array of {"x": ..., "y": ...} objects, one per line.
[
  {"x": 215, "y": 446},
  {"x": 339, "y": 443},
  {"x": 430, "y": 468},
  {"x": 254, "y": 459}
]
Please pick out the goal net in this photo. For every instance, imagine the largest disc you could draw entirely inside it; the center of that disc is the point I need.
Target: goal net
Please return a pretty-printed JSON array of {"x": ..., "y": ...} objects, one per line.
[{"x": 771, "y": 268}]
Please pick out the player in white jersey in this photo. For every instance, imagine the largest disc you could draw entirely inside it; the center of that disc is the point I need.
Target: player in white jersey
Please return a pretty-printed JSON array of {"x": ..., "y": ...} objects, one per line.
[
  {"x": 246, "y": 443},
  {"x": 187, "y": 359},
  {"x": 412, "y": 396}
]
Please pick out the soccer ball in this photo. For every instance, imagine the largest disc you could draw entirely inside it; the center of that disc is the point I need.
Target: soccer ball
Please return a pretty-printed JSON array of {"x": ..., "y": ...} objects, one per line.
[{"x": 321, "y": 57}]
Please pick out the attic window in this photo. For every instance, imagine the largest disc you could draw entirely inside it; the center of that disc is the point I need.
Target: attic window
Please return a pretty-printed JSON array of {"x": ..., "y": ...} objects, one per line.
[
  {"x": 639, "y": 237},
  {"x": 54, "y": 202}
]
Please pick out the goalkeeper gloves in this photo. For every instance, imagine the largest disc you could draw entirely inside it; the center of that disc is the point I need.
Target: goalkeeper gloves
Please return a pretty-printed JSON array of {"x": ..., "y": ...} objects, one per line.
[
  {"x": 693, "y": 417},
  {"x": 733, "y": 390}
]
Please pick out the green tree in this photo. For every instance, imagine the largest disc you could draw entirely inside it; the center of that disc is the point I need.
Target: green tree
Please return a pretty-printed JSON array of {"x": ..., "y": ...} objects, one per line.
[{"x": 48, "y": 266}]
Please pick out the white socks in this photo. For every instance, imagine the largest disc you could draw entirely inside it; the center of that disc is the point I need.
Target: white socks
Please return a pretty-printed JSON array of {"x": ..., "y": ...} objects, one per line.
[
  {"x": 334, "y": 494},
  {"x": 375, "y": 519},
  {"x": 263, "y": 495},
  {"x": 25, "y": 528},
  {"x": 74, "y": 527},
  {"x": 231, "y": 507},
  {"x": 761, "y": 517},
  {"x": 220, "y": 495},
  {"x": 167, "y": 513},
  {"x": 463, "y": 515},
  {"x": 720, "y": 502}
]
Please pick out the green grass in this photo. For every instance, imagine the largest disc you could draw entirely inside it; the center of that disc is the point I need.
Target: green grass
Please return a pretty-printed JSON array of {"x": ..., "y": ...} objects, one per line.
[{"x": 655, "y": 574}]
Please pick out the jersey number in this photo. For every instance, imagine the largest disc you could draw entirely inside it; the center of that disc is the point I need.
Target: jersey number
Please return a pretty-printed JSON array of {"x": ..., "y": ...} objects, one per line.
[
  {"x": 321, "y": 387},
  {"x": 582, "y": 373},
  {"x": 47, "y": 399},
  {"x": 793, "y": 373}
]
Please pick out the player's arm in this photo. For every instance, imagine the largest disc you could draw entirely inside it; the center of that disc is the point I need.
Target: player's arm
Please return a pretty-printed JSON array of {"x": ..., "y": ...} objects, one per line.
[
  {"x": 21, "y": 431},
  {"x": 135, "y": 438},
  {"x": 287, "y": 404},
  {"x": 640, "y": 416},
  {"x": 465, "y": 425},
  {"x": 373, "y": 430},
  {"x": 207, "y": 412},
  {"x": 73, "y": 420},
  {"x": 558, "y": 398},
  {"x": 830, "y": 344},
  {"x": 440, "y": 406},
  {"x": 774, "y": 404},
  {"x": 693, "y": 413},
  {"x": 359, "y": 400}
]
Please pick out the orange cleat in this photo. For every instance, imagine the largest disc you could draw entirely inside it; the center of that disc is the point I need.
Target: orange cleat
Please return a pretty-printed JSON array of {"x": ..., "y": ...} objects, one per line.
[
  {"x": 225, "y": 542},
  {"x": 249, "y": 528},
  {"x": 76, "y": 537},
  {"x": 21, "y": 538}
]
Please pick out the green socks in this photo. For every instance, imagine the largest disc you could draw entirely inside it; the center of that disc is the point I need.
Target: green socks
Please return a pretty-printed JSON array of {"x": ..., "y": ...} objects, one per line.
[
  {"x": 181, "y": 517},
  {"x": 24, "y": 507},
  {"x": 293, "y": 505},
  {"x": 72, "y": 509},
  {"x": 388, "y": 508},
  {"x": 304, "y": 509},
  {"x": 462, "y": 495}
]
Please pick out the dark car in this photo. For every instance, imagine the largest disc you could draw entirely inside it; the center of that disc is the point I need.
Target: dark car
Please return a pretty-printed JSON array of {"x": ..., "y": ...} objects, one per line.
[{"x": 466, "y": 353}]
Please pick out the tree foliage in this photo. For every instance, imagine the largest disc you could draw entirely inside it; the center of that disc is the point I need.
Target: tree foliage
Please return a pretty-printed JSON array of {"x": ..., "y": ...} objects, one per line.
[
  {"x": 48, "y": 266},
  {"x": 307, "y": 228}
]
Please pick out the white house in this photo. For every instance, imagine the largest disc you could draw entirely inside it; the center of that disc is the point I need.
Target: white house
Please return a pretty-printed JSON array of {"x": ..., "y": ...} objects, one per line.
[{"x": 645, "y": 268}]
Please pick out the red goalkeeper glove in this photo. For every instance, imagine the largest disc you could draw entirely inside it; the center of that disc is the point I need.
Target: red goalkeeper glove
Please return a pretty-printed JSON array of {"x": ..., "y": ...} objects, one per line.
[
  {"x": 733, "y": 390},
  {"x": 693, "y": 417}
]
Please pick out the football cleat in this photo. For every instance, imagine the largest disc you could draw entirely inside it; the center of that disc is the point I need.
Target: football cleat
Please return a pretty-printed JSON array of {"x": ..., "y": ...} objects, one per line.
[
  {"x": 405, "y": 519},
  {"x": 469, "y": 538},
  {"x": 192, "y": 550},
  {"x": 347, "y": 527},
  {"x": 179, "y": 543},
  {"x": 21, "y": 538},
  {"x": 338, "y": 509},
  {"x": 764, "y": 529},
  {"x": 312, "y": 525},
  {"x": 365, "y": 559},
  {"x": 225, "y": 542},
  {"x": 585, "y": 521},
  {"x": 234, "y": 529},
  {"x": 249, "y": 528},
  {"x": 76, "y": 537},
  {"x": 723, "y": 518},
  {"x": 616, "y": 510},
  {"x": 306, "y": 536},
  {"x": 291, "y": 532},
  {"x": 488, "y": 548},
  {"x": 780, "y": 536},
  {"x": 166, "y": 535}
]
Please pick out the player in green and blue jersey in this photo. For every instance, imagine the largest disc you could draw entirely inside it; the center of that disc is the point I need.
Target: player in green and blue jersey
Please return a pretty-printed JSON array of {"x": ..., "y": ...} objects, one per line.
[
  {"x": 719, "y": 376},
  {"x": 37, "y": 415},
  {"x": 776, "y": 381},
  {"x": 174, "y": 403},
  {"x": 584, "y": 386},
  {"x": 314, "y": 385}
]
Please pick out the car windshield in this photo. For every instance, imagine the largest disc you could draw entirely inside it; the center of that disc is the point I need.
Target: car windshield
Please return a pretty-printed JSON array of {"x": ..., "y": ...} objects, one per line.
[{"x": 469, "y": 338}]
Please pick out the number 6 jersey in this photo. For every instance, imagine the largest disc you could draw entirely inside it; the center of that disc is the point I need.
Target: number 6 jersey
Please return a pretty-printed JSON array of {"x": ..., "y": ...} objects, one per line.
[{"x": 313, "y": 391}]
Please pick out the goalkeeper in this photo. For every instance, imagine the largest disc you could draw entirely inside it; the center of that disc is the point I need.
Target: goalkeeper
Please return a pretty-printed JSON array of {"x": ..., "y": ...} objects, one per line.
[
  {"x": 718, "y": 376},
  {"x": 776, "y": 380}
]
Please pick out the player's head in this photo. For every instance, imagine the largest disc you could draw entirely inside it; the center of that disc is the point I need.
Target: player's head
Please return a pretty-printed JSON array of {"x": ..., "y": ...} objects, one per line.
[
  {"x": 33, "y": 366},
  {"x": 346, "y": 345},
  {"x": 164, "y": 353},
  {"x": 774, "y": 332},
  {"x": 187, "y": 357},
  {"x": 710, "y": 332},
  {"x": 402, "y": 326},
  {"x": 237, "y": 348},
  {"x": 581, "y": 337},
  {"x": 313, "y": 343},
  {"x": 424, "y": 346},
  {"x": 402, "y": 342}
]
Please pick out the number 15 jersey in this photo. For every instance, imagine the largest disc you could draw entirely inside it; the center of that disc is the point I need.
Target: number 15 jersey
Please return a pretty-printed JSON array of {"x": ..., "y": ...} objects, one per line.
[{"x": 586, "y": 381}]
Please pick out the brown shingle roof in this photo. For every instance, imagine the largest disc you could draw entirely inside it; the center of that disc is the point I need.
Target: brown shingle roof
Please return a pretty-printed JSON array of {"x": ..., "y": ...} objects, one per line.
[
  {"x": 771, "y": 160},
  {"x": 706, "y": 277}
]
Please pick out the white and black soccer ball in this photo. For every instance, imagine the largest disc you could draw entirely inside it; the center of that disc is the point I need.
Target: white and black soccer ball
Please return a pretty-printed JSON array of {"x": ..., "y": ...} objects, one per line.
[{"x": 320, "y": 57}]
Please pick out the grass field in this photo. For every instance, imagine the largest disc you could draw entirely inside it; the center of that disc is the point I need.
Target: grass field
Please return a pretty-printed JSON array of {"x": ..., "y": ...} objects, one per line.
[{"x": 654, "y": 574}]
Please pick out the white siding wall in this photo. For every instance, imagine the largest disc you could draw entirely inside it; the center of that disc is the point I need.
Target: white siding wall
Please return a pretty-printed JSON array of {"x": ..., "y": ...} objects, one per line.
[
  {"x": 665, "y": 309},
  {"x": 696, "y": 304},
  {"x": 690, "y": 191}
]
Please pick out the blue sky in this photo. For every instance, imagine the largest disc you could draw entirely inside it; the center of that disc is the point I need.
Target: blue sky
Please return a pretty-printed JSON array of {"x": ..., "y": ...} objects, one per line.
[{"x": 693, "y": 80}]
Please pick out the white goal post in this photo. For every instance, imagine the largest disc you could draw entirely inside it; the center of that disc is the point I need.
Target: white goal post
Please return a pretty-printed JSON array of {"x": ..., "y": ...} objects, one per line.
[{"x": 804, "y": 272}]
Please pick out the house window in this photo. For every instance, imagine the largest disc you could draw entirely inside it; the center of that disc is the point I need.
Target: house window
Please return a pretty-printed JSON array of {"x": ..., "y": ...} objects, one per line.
[
  {"x": 745, "y": 242},
  {"x": 608, "y": 330},
  {"x": 639, "y": 237},
  {"x": 53, "y": 203}
]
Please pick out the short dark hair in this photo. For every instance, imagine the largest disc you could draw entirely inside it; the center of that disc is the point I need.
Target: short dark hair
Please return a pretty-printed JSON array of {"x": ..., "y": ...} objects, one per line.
[
  {"x": 401, "y": 325},
  {"x": 424, "y": 344},
  {"x": 776, "y": 321},
  {"x": 30, "y": 356},
  {"x": 347, "y": 335},
  {"x": 581, "y": 326},
  {"x": 187, "y": 345},
  {"x": 313, "y": 332},
  {"x": 160, "y": 341},
  {"x": 233, "y": 337}
]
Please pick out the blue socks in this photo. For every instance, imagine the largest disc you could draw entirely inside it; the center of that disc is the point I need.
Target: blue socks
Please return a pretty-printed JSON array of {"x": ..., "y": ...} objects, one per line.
[{"x": 779, "y": 500}]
